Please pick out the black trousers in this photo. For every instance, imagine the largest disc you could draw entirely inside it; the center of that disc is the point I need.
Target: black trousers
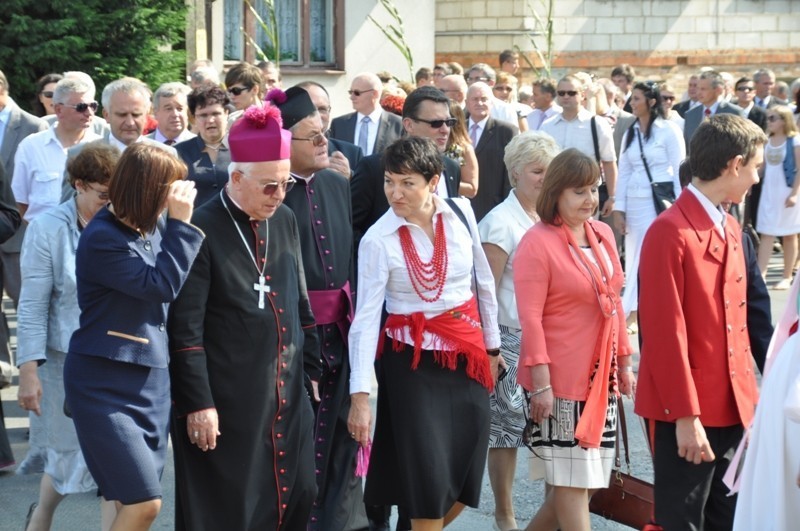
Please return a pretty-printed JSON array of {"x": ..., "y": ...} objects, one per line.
[{"x": 691, "y": 497}]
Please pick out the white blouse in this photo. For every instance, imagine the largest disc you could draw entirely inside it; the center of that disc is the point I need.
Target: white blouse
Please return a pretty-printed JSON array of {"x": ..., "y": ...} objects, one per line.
[
  {"x": 383, "y": 276},
  {"x": 664, "y": 151}
]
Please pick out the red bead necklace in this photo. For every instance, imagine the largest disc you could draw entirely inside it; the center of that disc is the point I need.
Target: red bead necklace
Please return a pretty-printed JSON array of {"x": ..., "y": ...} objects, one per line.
[{"x": 429, "y": 276}]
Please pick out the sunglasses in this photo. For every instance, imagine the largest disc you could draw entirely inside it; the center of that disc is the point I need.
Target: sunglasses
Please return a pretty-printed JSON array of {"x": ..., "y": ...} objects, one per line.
[
  {"x": 48, "y": 94},
  {"x": 317, "y": 139},
  {"x": 358, "y": 93},
  {"x": 436, "y": 124},
  {"x": 745, "y": 89},
  {"x": 82, "y": 107},
  {"x": 502, "y": 89},
  {"x": 668, "y": 98},
  {"x": 238, "y": 90},
  {"x": 773, "y": 118},
  {"x": 571, "y": 93},
  {"x": 271, "y": 188}
]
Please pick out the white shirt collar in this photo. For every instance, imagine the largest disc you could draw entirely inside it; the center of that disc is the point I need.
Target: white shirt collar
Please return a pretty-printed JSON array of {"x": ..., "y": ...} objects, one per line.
[
  {"x": 394, "y": 221},
  {"x": 114, "y": 141},
  {"x": 481, "y": 124},
  {"x": 374, "y": 116},
  {"x": 714, "y": 212}
]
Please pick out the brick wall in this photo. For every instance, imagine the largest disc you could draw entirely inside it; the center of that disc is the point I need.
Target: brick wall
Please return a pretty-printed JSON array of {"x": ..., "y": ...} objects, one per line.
[{"x": 660, "y": 38}]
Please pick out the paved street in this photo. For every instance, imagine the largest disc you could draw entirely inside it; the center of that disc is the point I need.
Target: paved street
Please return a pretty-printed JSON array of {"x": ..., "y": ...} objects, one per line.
[{"x": 81, "y": 512}]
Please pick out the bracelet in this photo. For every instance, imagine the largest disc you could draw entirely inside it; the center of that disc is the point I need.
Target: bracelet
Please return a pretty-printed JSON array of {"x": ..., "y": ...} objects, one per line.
[
  {"x": 612, "y": 198},
  {"x": 493, "y": 352},
  {"x": 629, "y": 368},
  {"x": 542, "y": 390}
]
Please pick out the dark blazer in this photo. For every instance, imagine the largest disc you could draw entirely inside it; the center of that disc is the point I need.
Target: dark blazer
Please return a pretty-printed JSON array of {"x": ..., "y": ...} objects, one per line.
[
  {"x": 125, "y": 283},
  {"x": 493, "y": 186},
  {"x": 759, "y": 312},
  {"x": 369, "y": 200},
  {"x": 758, "y": 116},
  {"x": 390, "y": 128},
  {"x": 9, "y": 215},
  {"x": 351, "y": 152},
  {"x": 683, "y": 107},
  {"x": 20, "y": 125},
  {"x": 209, "y": 177},
  {"x": 695, "y": 117}
]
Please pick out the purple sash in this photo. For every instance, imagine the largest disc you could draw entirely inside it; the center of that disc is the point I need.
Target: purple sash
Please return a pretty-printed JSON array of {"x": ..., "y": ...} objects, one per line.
[{"x": 333, "y": 306}]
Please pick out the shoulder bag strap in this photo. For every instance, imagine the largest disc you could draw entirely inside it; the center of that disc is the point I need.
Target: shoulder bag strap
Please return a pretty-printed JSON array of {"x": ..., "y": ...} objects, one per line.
[
  {"x": 623, "y": 427},
  {"x": 463, "y": 218},
  {"x": 641, "y": 152},
  {"x": 594, "y": 140}
]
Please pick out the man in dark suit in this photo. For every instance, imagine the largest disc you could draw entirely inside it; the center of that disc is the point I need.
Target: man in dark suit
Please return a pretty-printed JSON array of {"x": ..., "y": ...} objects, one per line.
[
  {"x": 764, "y": 80},
  {"x": 489, "y": 136},
  {"x": 424, "y": 109},
  {"x": 369, "y": 127},
  {"x": 685, "y": 106},
  {"x": 343, "y": 156},
  {"x": 709, "y": 94}
]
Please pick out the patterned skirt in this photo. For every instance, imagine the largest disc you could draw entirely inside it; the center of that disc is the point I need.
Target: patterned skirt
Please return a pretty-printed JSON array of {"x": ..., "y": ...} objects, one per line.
[
  {"x": 560, "y": 460},
  {"x": 506, "y": 405}
]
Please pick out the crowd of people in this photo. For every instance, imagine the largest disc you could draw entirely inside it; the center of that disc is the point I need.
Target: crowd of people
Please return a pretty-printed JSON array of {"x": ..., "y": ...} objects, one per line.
[{"x": 228, "y": 266}]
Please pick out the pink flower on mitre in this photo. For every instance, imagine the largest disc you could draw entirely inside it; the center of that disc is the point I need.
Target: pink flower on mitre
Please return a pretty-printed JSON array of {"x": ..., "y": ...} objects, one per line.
[
  {"x": 276, "y": 96},
  {"x": 258, "y": 117}
]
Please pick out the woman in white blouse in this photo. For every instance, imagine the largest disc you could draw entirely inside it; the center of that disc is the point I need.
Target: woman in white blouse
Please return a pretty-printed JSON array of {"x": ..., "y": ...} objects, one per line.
[
  {"x": 655, "y": 144},
  {"x": 438, "y": 364},
  {"x": 526, "y": 157}
]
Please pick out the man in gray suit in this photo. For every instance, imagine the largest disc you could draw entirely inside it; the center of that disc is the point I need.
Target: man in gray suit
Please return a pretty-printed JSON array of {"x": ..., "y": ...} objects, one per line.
[
  {"x": 709, "y": 94},
  {"x": 15, "y": 126},
  {"x": 369, "y": 127}
]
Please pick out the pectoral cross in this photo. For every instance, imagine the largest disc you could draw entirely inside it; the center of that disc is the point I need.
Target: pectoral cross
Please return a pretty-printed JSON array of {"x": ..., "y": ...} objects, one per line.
[{"x": 261, "y": 288}]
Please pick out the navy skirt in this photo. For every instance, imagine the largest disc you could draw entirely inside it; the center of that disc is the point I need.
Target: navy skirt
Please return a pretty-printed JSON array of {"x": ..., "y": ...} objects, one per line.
[
  {"x": 121, "y": 414},
  {"x": 431, "y": 436}
]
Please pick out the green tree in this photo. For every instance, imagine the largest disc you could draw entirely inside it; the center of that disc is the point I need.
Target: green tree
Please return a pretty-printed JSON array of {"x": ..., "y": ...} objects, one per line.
[{"x": 107, "y": 40}]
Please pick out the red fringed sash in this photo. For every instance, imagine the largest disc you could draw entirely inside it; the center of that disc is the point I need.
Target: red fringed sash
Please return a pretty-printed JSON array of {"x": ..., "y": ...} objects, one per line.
[{"x": 459, "y": 332}]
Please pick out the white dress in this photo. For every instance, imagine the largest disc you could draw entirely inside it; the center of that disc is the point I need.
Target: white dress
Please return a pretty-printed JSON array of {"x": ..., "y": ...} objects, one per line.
[
  {"x": 769, "y": 499},
  {"x": 774, "y": 219}
]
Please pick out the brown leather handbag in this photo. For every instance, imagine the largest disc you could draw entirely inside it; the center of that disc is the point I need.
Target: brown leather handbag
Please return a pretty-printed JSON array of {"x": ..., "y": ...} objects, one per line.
[{"x": 628, "y": 499}]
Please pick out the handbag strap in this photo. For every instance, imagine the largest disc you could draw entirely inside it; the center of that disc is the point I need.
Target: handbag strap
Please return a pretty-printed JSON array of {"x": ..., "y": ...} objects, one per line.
[
  {"x": 641, "y": 152},
  {"x": 460, "y": 213},
  {"x": 622, "y": 427}
]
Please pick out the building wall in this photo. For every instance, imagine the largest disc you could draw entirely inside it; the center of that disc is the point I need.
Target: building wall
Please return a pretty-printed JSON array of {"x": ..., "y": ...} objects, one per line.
[{"x": 657, "y": 37}]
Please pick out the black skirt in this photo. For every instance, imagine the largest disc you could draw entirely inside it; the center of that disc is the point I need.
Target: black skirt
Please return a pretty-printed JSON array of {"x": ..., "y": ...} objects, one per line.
[{"x": 431, "y": 436}]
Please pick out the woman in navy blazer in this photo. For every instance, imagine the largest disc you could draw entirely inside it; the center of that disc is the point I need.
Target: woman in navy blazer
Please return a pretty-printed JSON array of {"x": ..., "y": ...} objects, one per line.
[{"x": 129, "y": 265}]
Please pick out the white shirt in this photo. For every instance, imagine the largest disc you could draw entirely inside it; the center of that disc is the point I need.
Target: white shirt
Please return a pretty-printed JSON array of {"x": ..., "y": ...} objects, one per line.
[
  {"x": 39, "y": 171},
  {"x": 535, "y": 119},
  {"x": 504, "y": 227},
  {"x": 664, "y": 151},
  {"x": 714, "y": 212},
  {"x": 185, "y": 135},
  {"x": 577, "y": 133},
  {"x": 504, "y": 111},
  {"x": 383, "y": 276},
  {"x": 372, "y": 130}
]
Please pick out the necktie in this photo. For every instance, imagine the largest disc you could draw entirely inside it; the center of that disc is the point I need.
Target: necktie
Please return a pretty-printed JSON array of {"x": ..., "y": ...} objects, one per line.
[
  {"x": 169, "y": 142},
  {"x": 541, "y": 120},
  {"x": 473, "y": 134},
  {"x": 762, "y": 103},
  {"x": 707, "y": 113},
  {"x": 363, "y": 135}
]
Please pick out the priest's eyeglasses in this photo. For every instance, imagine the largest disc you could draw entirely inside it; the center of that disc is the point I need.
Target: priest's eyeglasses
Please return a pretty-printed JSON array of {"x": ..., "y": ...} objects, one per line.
[
  {"x": 271, "y": 188},
  {"x": 317, "y": 139}
]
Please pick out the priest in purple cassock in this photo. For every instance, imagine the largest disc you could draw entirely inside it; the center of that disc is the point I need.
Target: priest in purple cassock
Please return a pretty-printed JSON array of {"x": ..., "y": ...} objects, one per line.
[
  {"x": 321, "y": 203},
  {"x": 244, "y": 350}
]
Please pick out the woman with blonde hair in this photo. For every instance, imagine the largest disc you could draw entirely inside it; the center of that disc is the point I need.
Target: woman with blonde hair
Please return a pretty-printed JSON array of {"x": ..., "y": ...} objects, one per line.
[
  {"x": 778, "y": 209},
  {"x": 505, "y": 90},
  {"x": 526, "y": 157}
]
